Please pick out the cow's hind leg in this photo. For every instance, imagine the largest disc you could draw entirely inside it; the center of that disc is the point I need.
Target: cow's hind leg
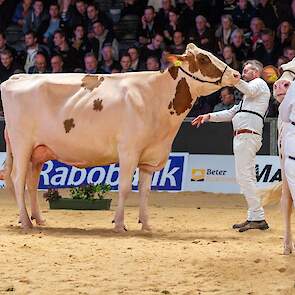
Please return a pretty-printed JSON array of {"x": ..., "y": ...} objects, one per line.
[
  {"x": 286, "y": 207},
  {"x": 144, "y": 190},
  {"x": 128, "y": 164},
  {"x": 20, "y": 167},
  {"x": 32, "y": 185}
]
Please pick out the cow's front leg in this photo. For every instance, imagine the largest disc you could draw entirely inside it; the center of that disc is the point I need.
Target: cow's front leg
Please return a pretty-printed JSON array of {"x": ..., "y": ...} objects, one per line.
[
  {"x": 127, "y": 167},
  {"x": 32, "y": 183},
  {"x": 144, "y": 191},
  {"x": 286, "y": 207}
]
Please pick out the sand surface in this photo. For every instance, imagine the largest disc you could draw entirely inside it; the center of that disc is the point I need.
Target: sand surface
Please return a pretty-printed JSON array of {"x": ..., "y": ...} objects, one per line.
[{"x": 192, "y": 250}]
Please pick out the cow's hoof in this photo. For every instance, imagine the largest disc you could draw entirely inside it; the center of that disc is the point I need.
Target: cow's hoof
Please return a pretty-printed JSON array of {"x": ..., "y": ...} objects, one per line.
[
  {"x": 120, "y": 229},
  {"x": 26, "y": 225},
  {"x": 146, "y": 228},
  {"x": 288, "y": 249},
  {"x": 39, "y": 220}
]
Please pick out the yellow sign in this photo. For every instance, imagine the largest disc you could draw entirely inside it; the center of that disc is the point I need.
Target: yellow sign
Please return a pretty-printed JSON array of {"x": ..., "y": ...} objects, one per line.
[{"x": 198, "y": 174}]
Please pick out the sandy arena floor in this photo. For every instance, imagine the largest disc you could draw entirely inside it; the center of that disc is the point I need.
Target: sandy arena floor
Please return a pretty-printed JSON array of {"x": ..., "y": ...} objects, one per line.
[{"x": 192, "y": 250}]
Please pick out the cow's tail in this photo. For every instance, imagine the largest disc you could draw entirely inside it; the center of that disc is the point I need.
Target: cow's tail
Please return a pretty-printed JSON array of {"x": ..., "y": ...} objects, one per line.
[
  {"x": 8, "y": 163},
  {"x": 271, "y": 194}
]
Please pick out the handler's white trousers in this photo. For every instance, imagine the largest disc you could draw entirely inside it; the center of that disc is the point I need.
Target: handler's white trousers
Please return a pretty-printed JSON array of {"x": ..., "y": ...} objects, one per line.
[{"x": 245, "y": 147}]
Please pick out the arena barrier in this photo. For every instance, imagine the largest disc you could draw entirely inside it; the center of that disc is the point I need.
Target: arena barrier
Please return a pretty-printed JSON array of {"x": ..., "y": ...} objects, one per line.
[
  {"x": 202, "y": 160},
  {"x": 182, "y": 172}
]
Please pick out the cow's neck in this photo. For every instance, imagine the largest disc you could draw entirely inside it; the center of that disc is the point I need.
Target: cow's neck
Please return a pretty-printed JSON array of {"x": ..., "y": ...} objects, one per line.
[{"x": 187, "y": 91}]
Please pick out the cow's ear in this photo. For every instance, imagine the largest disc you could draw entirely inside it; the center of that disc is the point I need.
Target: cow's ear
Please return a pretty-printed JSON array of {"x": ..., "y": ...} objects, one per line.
[{"x": 175, "y": 59}]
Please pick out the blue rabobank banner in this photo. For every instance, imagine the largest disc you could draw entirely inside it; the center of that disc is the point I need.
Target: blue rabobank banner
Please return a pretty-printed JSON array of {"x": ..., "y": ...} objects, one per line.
[{"x": 58, "y": 175}]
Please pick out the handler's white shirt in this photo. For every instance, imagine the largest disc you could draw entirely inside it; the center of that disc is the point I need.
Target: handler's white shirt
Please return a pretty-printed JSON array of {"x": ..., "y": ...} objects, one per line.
[{"x": 256, "y": 98}]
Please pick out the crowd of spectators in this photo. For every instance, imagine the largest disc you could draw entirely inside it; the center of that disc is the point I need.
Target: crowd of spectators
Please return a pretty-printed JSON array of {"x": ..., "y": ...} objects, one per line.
[{"x": 78, "y": 36}]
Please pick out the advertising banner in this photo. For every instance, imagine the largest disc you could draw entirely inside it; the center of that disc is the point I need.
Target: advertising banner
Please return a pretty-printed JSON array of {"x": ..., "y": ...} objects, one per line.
[
  {"x": 216, "y": 173},
  {"x": 58, "y": 175}
]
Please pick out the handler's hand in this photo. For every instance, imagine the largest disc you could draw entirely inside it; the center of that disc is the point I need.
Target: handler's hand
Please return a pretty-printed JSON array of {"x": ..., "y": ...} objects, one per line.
[{"x": 200, "y": 120}]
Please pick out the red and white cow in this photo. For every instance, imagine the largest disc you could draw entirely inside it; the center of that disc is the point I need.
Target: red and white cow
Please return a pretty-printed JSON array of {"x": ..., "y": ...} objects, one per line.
[
  {"x": 280, "y": 89},
  {"x": 281, "y": 190},
  {"x": 87, "y": 120}
]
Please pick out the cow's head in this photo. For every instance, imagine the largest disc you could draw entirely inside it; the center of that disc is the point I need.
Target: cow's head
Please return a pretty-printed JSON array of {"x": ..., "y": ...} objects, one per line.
[
  {"x": 281, "y": 86},
  {"x": 202, "y": 66}
]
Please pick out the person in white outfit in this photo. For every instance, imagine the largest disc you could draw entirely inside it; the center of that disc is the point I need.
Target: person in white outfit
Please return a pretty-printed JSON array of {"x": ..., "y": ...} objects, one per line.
[{"x": 248, "y": 120}]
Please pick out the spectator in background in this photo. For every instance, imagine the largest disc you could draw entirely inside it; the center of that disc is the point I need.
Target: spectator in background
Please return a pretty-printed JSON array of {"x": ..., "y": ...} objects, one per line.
[
  {"x": 22, "y": 10},
  {"x": 68, "y": 53},
  {"x": 136, "y": 64},
  {"x": 95, "y": 14},
  {"x": 238, "y": 44},
  {"x": 40, "y": 66},
  {"x": 242, "y": 14},
  {"x": 223, "y": 33},
  {"x": 285, "y": 35},
  {"x": 75, "y": 15},
  {"x": 281, "y": 60},
  {"x": 4, "y": 45},
  {"x": 229, "y": 58},
  {"x": 189, "y": 14},
  {"x": 54, "y": 23},
  {"x": 91, "y": 64},
  {"x": 101, "y": 38},
  {"x": 266, "y": 12},
  {"x": 125, "y": 63},
  {"x": 153, "y": 64},
  {"x": 153, "y": 49},
  {"x": 267, "y": 52},
  {"x": 171, "y": 26},
  {"x": 7, "y": 7},
  {"x": 8, "y": 66},
  {"x": 289, "y": 53},
  {"x": 178, "y": 46},
  {"x": 79, "y": 42},
  {"x": 202, "y": 35},
  {"x": 253, "y": 38},
  {"x": 164, "y": 63},
  {"x": 37, "y": 20},
  {"x": 108, "y": 61},
  {"x": 227, "y": 100},
  {"x": 149, "y": 26},
  {"x": 163, "y": 13},
  {"x": 32, "y": 48},
  {"x": 57, "y": 64}
]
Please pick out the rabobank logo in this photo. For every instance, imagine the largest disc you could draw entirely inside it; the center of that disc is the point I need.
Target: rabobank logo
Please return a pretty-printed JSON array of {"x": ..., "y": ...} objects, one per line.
[{"x": 58, "y": 175}]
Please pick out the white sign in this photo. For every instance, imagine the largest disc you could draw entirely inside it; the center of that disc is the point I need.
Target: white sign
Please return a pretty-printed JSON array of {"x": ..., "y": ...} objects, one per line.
[{"x": 216, "y": 173}]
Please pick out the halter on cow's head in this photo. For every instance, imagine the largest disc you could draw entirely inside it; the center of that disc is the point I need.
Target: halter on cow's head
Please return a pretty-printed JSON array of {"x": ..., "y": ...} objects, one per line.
[
  {"x": 204, "y": 67},
  {"x": 281, "y": 86}
]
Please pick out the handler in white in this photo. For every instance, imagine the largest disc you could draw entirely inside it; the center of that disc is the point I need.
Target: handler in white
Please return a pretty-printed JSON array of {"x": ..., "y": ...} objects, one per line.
[
  {"x": 287, "y": 115},
  {"x": 248, "y": 119}
]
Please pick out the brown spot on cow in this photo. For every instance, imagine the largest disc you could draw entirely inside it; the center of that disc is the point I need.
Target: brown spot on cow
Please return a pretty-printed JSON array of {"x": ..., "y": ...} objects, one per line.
[
  {"x": 97, "y": 104},
  {"x": 90, "y": 82},
  {"x": 171, "y": 113},
  {"x": 192, "y": 63},
  {"x": 206, "y": 66},
  {"x": 173, "y": 71},
  {"x": 69, "y": 124},
  {"x": 183, "y": 98},
  {"x": 170, "y": 105}
]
